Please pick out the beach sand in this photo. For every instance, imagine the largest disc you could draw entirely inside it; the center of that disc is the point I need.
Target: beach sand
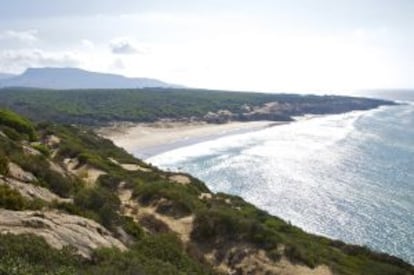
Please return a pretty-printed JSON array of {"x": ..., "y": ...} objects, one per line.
[{"x": 148, "y": 139}]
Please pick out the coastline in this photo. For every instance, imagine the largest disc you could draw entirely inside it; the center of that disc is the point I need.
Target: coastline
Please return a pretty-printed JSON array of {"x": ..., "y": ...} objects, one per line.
[{"x": 145, "y": 140}]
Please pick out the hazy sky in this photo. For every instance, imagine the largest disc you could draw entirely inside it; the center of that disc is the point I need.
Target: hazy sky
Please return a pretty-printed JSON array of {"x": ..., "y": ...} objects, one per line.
[{"x": 247, "y": 45}]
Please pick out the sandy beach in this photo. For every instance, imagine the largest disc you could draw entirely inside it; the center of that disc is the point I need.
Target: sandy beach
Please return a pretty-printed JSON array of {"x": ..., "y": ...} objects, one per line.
[{"x": 148, "y": 139}]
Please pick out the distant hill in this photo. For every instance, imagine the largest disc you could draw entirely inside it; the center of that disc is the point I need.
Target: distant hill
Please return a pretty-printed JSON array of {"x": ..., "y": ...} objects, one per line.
[
  {"x": 72, "y": 78},
  {"x": 6, "y": 76}
]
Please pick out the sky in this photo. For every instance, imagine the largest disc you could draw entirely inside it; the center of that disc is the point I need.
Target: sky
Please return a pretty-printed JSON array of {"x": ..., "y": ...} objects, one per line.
[{"x": 290, "y": 45}]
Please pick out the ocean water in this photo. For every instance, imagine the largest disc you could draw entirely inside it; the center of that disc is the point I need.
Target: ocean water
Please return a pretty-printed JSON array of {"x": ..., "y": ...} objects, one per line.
[{"x": 348, "y": 176}]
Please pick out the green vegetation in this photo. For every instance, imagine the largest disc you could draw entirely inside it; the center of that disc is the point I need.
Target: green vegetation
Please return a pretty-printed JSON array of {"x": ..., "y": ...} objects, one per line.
[
  {"x": 10, "y": 199},
  {"x": 101, "y": 202},
  {"x": 4, "y": 164},
  {"x": 182, "y": 200},
  {"x": 42, "y": 149},
  {"x": 161, "y": 254},
  {"x": 17, "y": 123},
  {"x": 27, "y": 254},
  {"x": 13, "y": 200},
  {"x": 40, "y": 167},
  {"x": 92, "y": 107},
  {"x": 241, "y": 222}
]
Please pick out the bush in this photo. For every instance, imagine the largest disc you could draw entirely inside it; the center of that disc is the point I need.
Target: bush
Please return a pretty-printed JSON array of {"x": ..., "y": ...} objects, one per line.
[
  {"x": 42, "y": 149},
  {"x": 4, "y": 164},
  {"x": 28, "y": 254},
  {"x": 184, "y": 198},
  {"x": 212, "y": 224},
  {"x": 20, "y": 124},
  {"x": 223, "y": 224},
  {"x": 101, "y": 201},
  {"x": 39, "y": 166},
  {"x": 132, "y": 228},
  {"x": 11, "y": 199},
  {"x": 13, "y": 134},
  {"x": 154, "y": 225},
  {"x": 161, "y": 254},
  {"x": 109, "y": 181},
  {"x": 296, "y": 254},
  {"x": 169, "y": 249}
]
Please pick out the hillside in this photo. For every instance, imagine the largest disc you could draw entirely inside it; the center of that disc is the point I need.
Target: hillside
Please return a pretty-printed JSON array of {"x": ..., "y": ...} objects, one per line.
[
  {"x": 6, "y": 76},
  {"x": 73, "y": 203},
  {"x": 72, "y": 78},
  {"x": 96, "y": 107}
]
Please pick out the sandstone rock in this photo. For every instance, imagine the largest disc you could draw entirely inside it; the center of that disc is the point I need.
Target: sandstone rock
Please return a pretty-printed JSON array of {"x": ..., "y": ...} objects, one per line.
[
  {"x": 130, "y": 166},
  {"x": 31, "y": 191},
  {"x": 59, "y": 230},
  {"x": 135, "y": 167},
  {"x": 28, "y": 150},
  {"x": 15, "y": 171},
  {"x": 180, "y": 179},
  {"x": 54, "y": 167},
  {"x": 52, "y": 141},
  {"x": 205, "y": 196}
]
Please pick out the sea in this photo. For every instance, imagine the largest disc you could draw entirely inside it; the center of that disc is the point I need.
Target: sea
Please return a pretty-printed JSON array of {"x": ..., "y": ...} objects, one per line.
[{"x": 348, "y": 176}]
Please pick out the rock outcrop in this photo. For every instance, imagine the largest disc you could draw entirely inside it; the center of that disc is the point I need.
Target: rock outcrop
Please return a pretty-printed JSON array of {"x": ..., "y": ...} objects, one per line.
[
  {"x": 30, "y": 191},
  {"x": 59, "y": 230},
  {"x": 16, "y": 172}
]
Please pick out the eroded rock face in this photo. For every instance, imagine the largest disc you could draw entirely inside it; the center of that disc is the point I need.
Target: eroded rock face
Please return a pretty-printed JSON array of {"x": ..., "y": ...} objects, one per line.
[
  {"x": 52, "y": 141},
  {"x": 59, "y": 230},
  {"x": 184, "y": 180},
  {"x": 30, "y": 191},
  {"x": 15, "y": 171}
]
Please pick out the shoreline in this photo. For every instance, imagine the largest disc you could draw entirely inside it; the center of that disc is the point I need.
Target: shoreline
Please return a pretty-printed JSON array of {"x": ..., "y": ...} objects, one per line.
[{"x": 145, "y": 140}]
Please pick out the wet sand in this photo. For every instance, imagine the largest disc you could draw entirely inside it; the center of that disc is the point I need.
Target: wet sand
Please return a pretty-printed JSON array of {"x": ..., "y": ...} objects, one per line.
[{"x": 148, "y": 139}]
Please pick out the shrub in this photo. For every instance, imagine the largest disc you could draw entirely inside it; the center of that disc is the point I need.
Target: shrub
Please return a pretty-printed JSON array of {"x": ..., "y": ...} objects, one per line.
[
  {"x": 109, "y": 181},
  {"x": 301, "y": 255},
  {"x": 4, "y": 164},
  {"x": 184, "y": 198},
  {"x": 28, "y": 254},
  {"x": 39, "y": 166},
  {"x": 42, "y": 149},
  {"x": 101, "y": 201},
  {"x": 13, "y": 134},
  {"x": 132, "y": 228},
  {"x": 174, "y": 209},
  {"x": 20, "y": 124},
  {"x": 11, "y": 199},
  {"x": 213, "y": 224},
  {"x": 154, "y": 225},
  {"x": 169, "y": 249}
]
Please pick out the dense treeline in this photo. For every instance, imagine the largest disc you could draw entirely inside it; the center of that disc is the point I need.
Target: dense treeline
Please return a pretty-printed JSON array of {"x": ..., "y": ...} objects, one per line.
[{"x": 146, "y": 105}]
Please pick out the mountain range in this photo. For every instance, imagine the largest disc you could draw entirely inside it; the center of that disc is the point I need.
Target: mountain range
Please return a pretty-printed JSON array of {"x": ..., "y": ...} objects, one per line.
[{"x": 73, "y": 78}]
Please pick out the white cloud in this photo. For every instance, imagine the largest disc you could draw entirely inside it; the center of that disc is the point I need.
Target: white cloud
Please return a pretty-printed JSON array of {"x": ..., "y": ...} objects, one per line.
[
  {"x": 27, "y": 36},
  {"x": 18, "y": 60},
  {"x": 124, "y": 45},
  {"x": 88, "y": 44}
]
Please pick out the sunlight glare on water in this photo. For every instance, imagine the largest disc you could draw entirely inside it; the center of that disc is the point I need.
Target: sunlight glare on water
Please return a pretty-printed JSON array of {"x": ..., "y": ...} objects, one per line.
[{"x": 346, "y": 176}]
